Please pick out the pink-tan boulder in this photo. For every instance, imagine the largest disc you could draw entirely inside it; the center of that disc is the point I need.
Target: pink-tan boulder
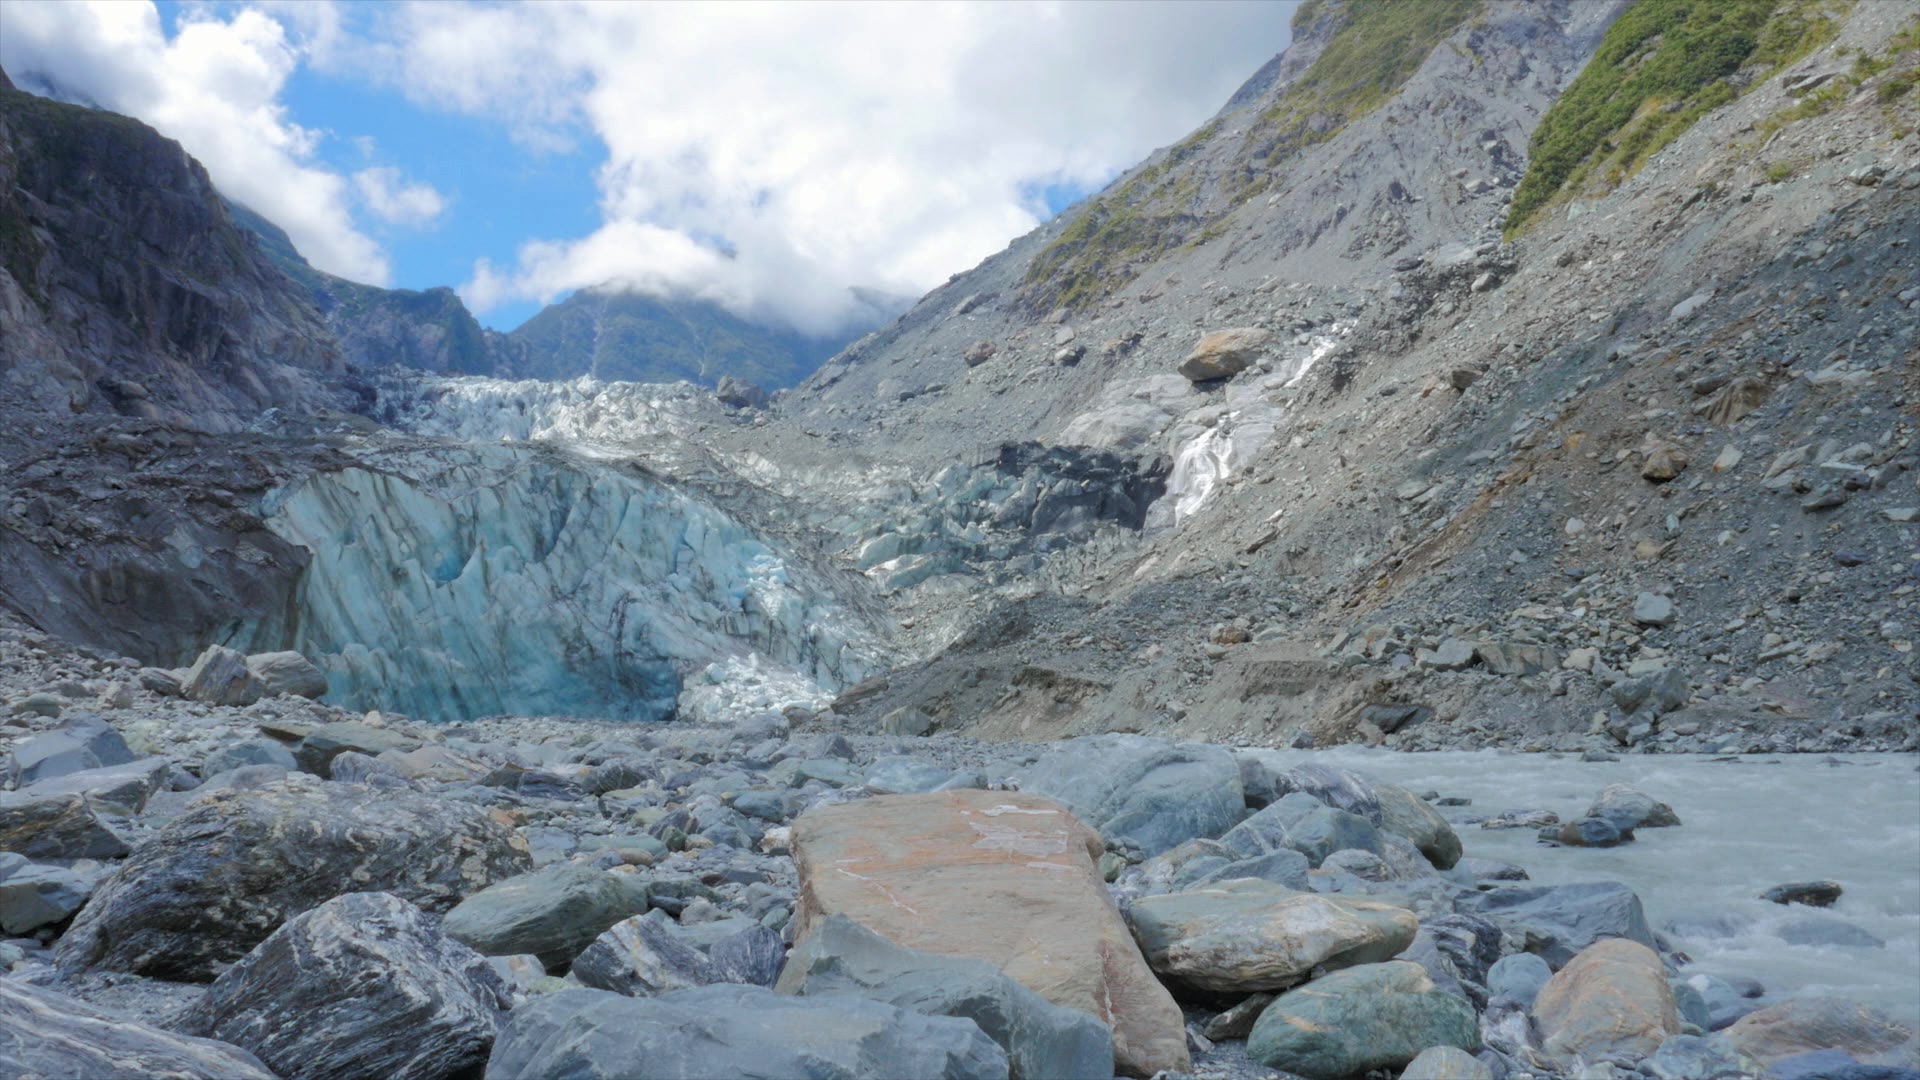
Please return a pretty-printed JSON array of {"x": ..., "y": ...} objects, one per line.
[
  {"x": 1612, "y": 998},
  {"x": 1004, "y": 877}
]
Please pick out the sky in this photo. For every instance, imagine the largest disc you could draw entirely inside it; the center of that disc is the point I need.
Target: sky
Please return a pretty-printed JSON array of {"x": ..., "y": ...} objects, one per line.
[{"x": 768, "y": 156}]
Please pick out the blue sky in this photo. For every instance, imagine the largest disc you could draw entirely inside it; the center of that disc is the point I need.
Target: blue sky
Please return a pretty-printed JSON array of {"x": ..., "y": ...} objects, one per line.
[{"x": 771, "y": 158}]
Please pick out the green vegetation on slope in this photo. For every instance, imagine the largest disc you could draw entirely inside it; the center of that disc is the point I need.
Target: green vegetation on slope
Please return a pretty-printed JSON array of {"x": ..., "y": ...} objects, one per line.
[
  {"x": 1377, "y": 47},
  {"x": 1662, "y": 65}
]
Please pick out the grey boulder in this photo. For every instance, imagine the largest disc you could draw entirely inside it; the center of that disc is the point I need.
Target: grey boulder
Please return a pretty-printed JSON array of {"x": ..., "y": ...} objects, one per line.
[
  {"x": 44, "y": 1034},
  {"x": 1368, "y": 1017},
  {"x": 745, "y": 1032},
  {"x": 33, "y": 895},
  {"x": 1388, "y": 806},
  {"x": 651, "y": 954},
  {"x": 237, "y": 864},
  {"x": 1142, "y": 795},
  {"x": 247, "y": 752},
  {"x": 1518, "y": 978},
  {"x": 1043, "y": 1041},
  {"x": 286, "y": 673},
  {"x": 1629, "y": 808},
  {"x": 365, "y": 985},
  {"x": 1446, "y": 1063},
  {"x": 553, "y": 913},
  {"x": 219, "y": 676},
  {"x": 57, "y": 826},
  {"x": 81, "y": 742},
  {"x": 1244, "y": 936},
  {"x": 1564, "y": 919},
  {"x": 125, "y": 787}
]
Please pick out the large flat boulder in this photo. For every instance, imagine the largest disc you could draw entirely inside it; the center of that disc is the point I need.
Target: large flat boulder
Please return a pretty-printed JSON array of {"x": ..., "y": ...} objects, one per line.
[
  {"x": 552, "y": 913},
  {"x": 226, "y": 873},
  {"x": 1043, "y": 1041},
  {"x": 736, "y": 1031},
  {"x": 363, "y": 985},
  {"x": 1373, "y": 1016},
  {"x": 57, "y": 826},
  {"x": 1243, "y": 936},
  {"x": 1008, "y": 878},
  {"x": 44, "y": 1034},
  {"x": 1611, "y": 999},
  {"x": 1142, "y": 795},
  {"x": 125, "y": 787},
  {"x": 1801, "y": 1025},
  {"x": 1225, "y": 353}
]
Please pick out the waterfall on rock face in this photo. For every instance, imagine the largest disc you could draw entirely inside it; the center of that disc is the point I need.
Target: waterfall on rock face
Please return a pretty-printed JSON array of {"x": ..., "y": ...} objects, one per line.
[{"x": 460, "y": 582}]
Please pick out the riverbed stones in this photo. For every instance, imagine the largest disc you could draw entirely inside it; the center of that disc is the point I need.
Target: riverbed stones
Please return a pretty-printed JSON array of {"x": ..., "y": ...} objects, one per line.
[
  {"x": 1387, "y": 806},
  {"x": 1243, "y": 936},
  {"x": 44, "y": 1034},
  {"x": 1518, "y": 978},
  {"x": 1373, "y": 1016},
  {"x": 34, "y": 895},
  {"x": 238, "y": 863},
  {"x": 364, "y": 985},
  {"x": 1629, "y": 808},
  {"x": 1612, "y": 998},
  {"x": 325, "y": 742},
  {"x": 1695, "y": 1057},
  {"x": 553, "y": 913},
  {"x": 1798, "y": 1025},
  {"x": 1042, "y": 1040},
  {"x": 1652, "y": 609},
  {"x": 736, "y": 1031},
  {"x": 77, "y": 743},
  {"x": 122, "y": 789},
  {"x": 651, "y": 954},
  {"x": 1142, "y": 795},
  {"x": 1005, "y": 877},
  {"x": 247, "y": 752},
  {"x": 1558, "y": 921},
  {"x": 1446, "y": 1063},
  {"x": 1222, "y": 354}
]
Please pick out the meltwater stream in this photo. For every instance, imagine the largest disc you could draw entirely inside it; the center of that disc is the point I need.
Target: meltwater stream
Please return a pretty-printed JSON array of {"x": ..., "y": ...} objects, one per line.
[{"x": 1747, "y": 824}]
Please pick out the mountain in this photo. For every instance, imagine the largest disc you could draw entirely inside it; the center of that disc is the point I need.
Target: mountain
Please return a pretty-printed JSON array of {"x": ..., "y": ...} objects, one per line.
[
  {"x": 126, "y": 286},
  {"x": 617, "y": 335},
  {"x": 427, "y": 330}
]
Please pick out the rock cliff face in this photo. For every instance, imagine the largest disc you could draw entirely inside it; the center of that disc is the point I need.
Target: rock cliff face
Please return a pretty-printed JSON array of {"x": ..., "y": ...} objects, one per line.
[{"x": 125, "y": 288}]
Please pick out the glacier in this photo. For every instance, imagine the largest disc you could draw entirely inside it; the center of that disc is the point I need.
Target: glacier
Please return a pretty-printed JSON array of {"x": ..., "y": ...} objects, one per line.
[{"x": 456, "y": 581}]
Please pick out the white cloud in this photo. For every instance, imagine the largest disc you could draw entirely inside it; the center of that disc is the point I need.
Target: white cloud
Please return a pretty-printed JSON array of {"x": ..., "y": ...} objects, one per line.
[
  {"x": 214, "y": 86},
  {"x": 394, "y": 199},
  {"x": 826, "y": 145}
]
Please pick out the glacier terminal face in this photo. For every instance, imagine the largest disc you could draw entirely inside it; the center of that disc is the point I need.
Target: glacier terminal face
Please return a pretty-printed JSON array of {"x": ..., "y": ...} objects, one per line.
[{"x": 456, "y": 582}]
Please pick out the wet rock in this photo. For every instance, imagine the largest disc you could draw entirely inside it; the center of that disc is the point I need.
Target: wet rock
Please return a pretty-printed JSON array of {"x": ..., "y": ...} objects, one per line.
[
  {"x": 1244, "y": 936},
  {"x": 1369, "y": 1017},
  {"x": 238, "y": 863},
  {"x": 1562, "y": 920},
  {"x": 1628, "y": 808},
  {"x": 1799, "y": 1025},
  {"x": 44, "y": 1034},
  {"x": 1142, "y": 795},
  {"x": 57, "y": 826},
  {"x": 1446, "y": 1063},
  {"x": 1818, "y": 930},
  {"x": 76, "y": 744},
  {"x": 1810, "y": 893},
  {"x": 1518, "y": 978},
  {"x": 286, "y": 672},
  {"x": 1009, "y": 878},
  {"x": 364, "y": 985},
  {"x": 33, "y": 895},
  {"x": 740, "y": 1031},
  {"x": 1299, "y": 822},
  {"x": 553, "y": 913},
  {"x": 1591, "y": 832},
  {"x": 1612, "y": 998},
  {"x": 1224, "y": 353},
  {"x": 842, "y": 958}
]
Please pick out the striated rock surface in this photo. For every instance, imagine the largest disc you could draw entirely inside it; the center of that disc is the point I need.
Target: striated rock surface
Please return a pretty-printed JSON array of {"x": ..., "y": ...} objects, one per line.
[
  {"x": 229, "y": 871},
  {"x": 44, "y": 1034},
  {"x": 365, "y": 985},
  {"x": 553, "y": 913},
  {"x": 1245, "y": 935},
  {"x": 1368, "y": 1017},
  {"x": 1004, "y": 877}
]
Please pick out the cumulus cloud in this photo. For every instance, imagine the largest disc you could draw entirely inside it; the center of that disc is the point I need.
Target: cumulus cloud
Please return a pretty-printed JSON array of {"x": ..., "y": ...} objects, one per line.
[
  {"x": 772, "y": 156},
  {"x": 214, "y": 86},
  {"x": 394, "y": 199}
]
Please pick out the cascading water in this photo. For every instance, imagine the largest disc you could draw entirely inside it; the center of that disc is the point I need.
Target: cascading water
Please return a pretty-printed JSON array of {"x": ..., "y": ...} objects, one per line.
[{"x": 451, "y": 582}]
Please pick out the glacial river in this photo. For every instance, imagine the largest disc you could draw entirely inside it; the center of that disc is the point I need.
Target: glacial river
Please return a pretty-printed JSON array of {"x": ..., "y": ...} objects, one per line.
[{"x": 1747, "y": 824}]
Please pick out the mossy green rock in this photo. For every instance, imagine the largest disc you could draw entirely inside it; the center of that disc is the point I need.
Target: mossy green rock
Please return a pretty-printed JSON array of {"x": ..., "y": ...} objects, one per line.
[{"x": 1368, "y": 1017}]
